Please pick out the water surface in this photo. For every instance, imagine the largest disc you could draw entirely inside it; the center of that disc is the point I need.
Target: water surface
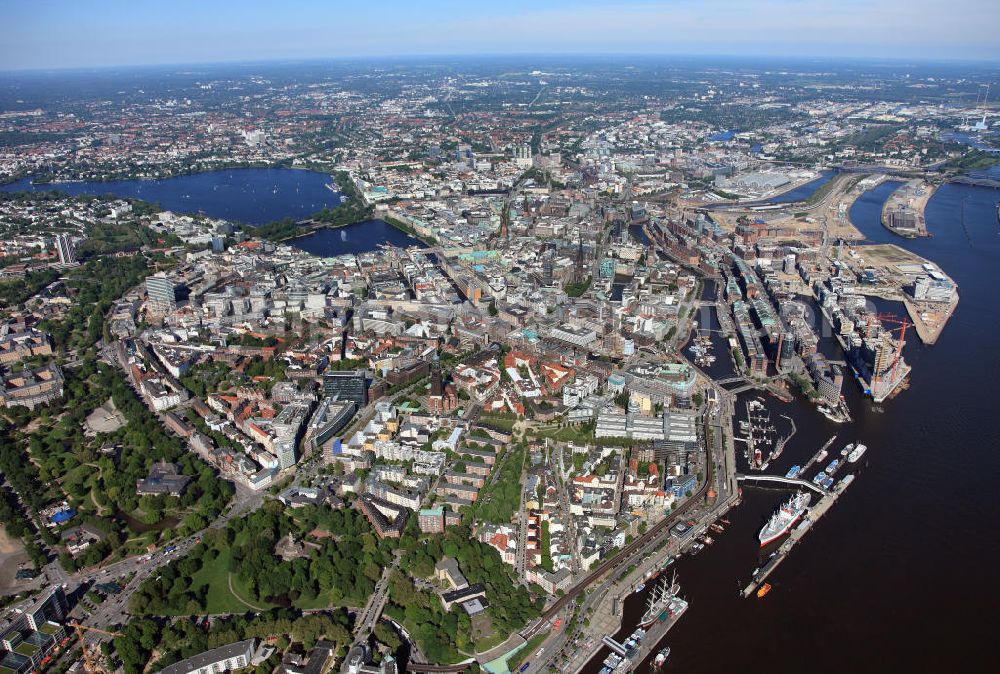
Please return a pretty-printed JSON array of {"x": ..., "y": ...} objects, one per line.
[{"x": 252, "y": 196}]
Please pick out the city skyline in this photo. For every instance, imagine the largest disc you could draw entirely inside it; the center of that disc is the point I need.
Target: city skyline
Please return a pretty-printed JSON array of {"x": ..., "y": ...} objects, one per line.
[
  {"x": 520, "y": 338},
  {"x": 60, "y": 35}
]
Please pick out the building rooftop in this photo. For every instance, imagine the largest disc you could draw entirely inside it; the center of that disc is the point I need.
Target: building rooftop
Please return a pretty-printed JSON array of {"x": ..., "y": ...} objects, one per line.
[{"x": 207, "y": 658}]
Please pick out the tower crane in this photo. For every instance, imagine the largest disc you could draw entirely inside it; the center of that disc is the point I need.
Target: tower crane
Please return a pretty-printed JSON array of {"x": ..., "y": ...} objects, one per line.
[
  {"x": 90, "y": 660},
  {"x": 902, "y": 324}
]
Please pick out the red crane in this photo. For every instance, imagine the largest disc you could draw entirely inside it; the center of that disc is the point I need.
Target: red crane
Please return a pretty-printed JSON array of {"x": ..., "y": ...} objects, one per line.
[{"x": 902, "y": 324}]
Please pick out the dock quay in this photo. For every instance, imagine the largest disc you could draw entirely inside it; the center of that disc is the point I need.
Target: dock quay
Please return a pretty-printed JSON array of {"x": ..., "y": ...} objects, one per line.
[
  {"x": 608, "y": 599},
  {"x": 903, "y": 210},
  {"x": 929, "y": 318},
  {"x": 815, "y": 513},
  {"x": 816, "y": 456},
  {"x": 648, "y": 644}
]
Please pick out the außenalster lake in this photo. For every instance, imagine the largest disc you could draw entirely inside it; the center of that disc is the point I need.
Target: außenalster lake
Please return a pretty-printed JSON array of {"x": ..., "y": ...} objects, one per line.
[{"x": 251, "y": 196}]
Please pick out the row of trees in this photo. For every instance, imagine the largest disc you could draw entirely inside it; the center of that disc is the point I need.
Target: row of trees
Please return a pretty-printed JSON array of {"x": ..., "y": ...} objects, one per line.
[{"x": 498, "y": 502}]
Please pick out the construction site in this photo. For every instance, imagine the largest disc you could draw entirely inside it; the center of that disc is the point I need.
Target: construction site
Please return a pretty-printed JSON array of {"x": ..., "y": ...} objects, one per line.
[{"x": 893, "y": 273}]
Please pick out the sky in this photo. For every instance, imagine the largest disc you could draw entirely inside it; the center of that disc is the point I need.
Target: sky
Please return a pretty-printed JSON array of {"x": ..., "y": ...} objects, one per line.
[{"x": 71, "y": 34}]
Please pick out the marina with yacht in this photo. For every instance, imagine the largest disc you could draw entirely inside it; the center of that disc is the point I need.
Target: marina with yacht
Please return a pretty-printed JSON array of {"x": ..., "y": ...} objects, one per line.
[{"x": 760, "y": 436}]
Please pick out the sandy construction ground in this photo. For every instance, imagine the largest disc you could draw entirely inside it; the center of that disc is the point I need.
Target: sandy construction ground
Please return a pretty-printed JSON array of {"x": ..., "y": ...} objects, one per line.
[{"x": 12, "y": 556}]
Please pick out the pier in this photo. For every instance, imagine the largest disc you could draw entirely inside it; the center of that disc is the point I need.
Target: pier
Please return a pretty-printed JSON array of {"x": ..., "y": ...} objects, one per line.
[
  {"x": 781, "y": 479},
  {"x": 780, "y": 447},
  {"x": 816, "y": 456},
  {"x": 813, "y": 515},
  {"x": 615, "y": 646},
  {"x": 654, "y": 635}
]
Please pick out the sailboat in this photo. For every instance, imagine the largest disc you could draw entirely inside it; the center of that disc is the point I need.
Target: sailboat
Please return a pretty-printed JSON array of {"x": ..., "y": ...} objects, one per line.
[{"x": 659, "y": 600}]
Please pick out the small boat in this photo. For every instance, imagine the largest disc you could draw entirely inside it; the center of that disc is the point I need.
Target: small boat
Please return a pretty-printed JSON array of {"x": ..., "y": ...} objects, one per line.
[
  {"x": 857, "y": 453},
  {"x": 763, "y": 590},
  {"x": 831, "y": 414},
  {"x": 640, "y": 587},
  {"x": 661, "y": 657}
]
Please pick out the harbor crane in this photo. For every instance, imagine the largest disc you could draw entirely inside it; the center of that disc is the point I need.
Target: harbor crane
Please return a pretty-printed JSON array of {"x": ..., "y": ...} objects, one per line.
[
  {"x": 91, "y": 665},
  {"x": 902, "y": 324}
]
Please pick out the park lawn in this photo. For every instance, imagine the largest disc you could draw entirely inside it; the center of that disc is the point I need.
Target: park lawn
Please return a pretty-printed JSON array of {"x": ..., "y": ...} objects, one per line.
[
  {"x": 501, "y": 423},
  {"x": 324, "y": 600},
  {"x": 492, "y": 641},
  {"x": 565, "y": 434},
  {"x": 219, "y": 599}
]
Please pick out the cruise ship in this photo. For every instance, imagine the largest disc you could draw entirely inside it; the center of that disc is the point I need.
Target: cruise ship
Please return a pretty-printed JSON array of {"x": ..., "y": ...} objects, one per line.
[
  {"x": 856, "y": 453},
  {"x": 782, "y": 521}
]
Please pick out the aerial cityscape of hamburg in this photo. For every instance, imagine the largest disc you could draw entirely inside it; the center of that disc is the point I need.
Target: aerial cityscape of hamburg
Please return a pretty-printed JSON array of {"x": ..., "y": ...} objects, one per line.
[{"x": 535, "y": 337}]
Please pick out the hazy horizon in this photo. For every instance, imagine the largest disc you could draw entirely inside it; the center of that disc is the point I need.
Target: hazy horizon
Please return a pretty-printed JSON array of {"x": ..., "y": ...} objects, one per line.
[
  {"x": 61, "y": 35},
  {"x": 430, "y": 59}
]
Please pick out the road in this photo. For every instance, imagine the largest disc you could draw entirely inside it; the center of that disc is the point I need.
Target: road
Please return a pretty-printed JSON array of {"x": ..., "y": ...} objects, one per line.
[
  {"x": 114, "y": 610},
  {"x": 370, "y": 614},
  {"x": 628, "y": 552}
]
